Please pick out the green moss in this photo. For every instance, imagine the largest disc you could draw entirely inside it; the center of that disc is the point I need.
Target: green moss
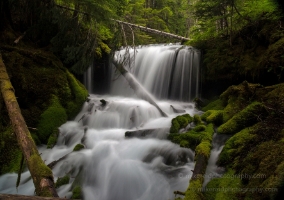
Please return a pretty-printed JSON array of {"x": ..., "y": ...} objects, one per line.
[
  {"x": 214, "y": 105},
  {"x": 40, "y": 170},
  {"x": 234, "y": 145},
  {"x": 35, "y": 138},
  {"x": 204, "y": 149},
  {"x": 53, "y": 117},
  {"x": 78, "y": 147},
  {"x": 199, "y": 128},
  {"x": 77, "y": 193},
  {"x": 62, "y": 181},
  {"x": 197, "y": 119},
  {"x": 79, "y": 93},
  {"x": 193, "y": 138},
  {"x": 213, "y": 116},
  {"x": 276, "y": 180},
  {"x": 194, "y": 190},
  {"x": 180, "y": 122},
  {"x": 53, "y": 138},
  {"x": 175, "y": 126},
  {"x": 9, "y": 152},
  {"x": 246, "y": 117},
  {"x": 227, "y": 187}
]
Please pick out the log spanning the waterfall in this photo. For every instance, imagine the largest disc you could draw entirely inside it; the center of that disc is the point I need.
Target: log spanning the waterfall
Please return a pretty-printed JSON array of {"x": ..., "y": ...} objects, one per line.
[
  {"x": 143, "y": 28},
  {"x": 137, "y": 87},
  {"x": 150, "y": 30},
  {"x": 40, "y": 173}
]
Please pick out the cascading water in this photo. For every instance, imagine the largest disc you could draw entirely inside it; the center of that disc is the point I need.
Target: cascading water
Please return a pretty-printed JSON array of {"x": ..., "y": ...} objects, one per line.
[
  {"x": 166, "y": 71},
  {"x": 112, "y": 166}
]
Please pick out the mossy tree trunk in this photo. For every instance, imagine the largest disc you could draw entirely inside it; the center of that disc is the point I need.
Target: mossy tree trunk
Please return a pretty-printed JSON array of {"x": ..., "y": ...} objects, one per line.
[{"x": 42, "y": 175}]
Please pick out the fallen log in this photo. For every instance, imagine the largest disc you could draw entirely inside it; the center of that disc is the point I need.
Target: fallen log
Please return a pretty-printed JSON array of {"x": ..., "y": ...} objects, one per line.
[
  {"x": 137, "y": 87},
  {"x": 23, "y": 197},
  {"x": 42, "y": 176}
]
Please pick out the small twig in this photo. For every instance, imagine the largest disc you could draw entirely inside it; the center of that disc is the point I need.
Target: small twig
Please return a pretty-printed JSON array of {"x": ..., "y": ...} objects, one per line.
[{"x": 179, "y": 193}]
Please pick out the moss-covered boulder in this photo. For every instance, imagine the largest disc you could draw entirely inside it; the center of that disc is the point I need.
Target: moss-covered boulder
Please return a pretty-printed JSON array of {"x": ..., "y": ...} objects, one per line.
[
  {"x": 247, "y": 117},
  {"x": 78, "y": 147},
  {"x": 213, "y": 116},
  {"x": 228, "y": 187},
  {"x": 62, "y": 181},
  {"x": 180, "y": 122},
  {"x": 255, "y": 151},
  {"x": 47, "y": 93}
]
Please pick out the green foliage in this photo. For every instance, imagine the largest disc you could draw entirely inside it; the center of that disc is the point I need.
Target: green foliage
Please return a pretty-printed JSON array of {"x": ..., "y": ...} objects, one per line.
[
  {"x": 168, "y": 15},
  {"x": 218, "y": 18},
  {"x": 53, "y": 117},
  {"x": 78, "y": 147},
  {"x": 244, "y": 118},
  {"x": 62, "y": 181},
  {"x": 77, "y": 193}
]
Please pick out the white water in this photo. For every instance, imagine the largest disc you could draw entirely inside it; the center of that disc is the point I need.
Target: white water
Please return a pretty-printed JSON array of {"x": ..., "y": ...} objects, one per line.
[
  {"x": 112, "y": 166},
  {"x": 166, "y": 71}
]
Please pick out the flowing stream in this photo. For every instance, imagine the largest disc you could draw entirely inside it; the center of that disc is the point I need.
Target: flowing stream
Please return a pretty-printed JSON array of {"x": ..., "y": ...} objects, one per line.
[{"x": 142, "y": 166}]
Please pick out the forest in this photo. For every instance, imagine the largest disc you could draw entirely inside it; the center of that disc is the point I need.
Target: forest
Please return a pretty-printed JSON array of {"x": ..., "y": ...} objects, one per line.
[{"x": 47, "y": 46}]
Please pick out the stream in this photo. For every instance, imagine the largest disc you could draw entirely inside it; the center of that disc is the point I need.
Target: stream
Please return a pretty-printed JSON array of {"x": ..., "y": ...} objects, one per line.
[{"x": 143, "y": 166}]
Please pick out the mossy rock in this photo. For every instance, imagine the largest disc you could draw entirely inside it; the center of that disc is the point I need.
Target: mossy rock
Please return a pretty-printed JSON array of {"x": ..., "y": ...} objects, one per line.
[
  {"x": 234, "y": 145},
  {"x": 62, "y": 181},
  {"x": 237, "y": 97},
  {"x": 199, "y": 128},
  {"x": 53, "y": 117},
  {"x": 213, "y": 116},
  {"x": 192, "y": 138},
  {"x": 228, "y": 187},
  {"x": 77, "y": 193},
  {"x": 180, "y": 122},
  {"x": 53, "y": 138},
  {"x": 78, "y": 147},
  {"x": 197, "y": 120},
  {"x": 10, "y": 152},
  {"x": 217, "y": 104},
  {"x": 247, "y": 117}
]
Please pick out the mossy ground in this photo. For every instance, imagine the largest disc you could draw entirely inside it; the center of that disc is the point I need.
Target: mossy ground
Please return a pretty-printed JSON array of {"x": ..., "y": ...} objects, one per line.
[
  {"x": 47, "y": 94},
  {"x": 256, "y": 148}
]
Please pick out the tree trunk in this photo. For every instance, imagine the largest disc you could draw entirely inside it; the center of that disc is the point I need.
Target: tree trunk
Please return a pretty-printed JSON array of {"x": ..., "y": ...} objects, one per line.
[{"x": 40, "y": 173}]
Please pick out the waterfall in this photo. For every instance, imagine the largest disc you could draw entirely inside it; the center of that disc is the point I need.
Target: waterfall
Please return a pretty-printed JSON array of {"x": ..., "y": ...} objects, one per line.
[
  {"x": 166, "y": 71},
  {"x": 112, "y": 166}
]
